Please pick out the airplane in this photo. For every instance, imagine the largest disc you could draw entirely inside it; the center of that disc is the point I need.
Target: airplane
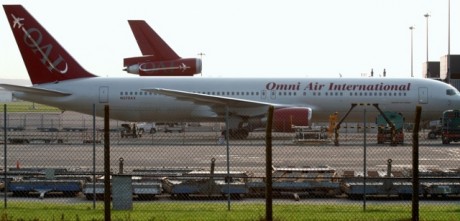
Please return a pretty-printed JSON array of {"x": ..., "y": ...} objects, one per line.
[
  {"x": 59, "y": 81},
  {"x": 158, "y": 58}
]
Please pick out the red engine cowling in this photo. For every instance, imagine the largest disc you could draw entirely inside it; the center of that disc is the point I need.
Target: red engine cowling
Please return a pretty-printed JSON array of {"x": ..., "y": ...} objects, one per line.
[
  {"x": 285, "y": 118},
  {"x": 144, "y": 66}
]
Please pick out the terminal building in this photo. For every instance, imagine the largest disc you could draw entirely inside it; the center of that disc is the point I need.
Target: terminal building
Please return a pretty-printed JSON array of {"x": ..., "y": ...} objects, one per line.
[
  {"x": 454, "y": 69},
  {"x": 439, "y": 70},
  {"x": 432, "y": 71}
]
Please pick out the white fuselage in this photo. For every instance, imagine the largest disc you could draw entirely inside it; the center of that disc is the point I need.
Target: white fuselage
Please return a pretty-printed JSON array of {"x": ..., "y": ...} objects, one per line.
[{"x": 129, "y": 101}]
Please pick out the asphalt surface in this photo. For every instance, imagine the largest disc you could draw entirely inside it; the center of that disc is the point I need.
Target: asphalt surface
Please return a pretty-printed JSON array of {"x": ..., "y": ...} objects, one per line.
[{"x": 196, "y": 149}]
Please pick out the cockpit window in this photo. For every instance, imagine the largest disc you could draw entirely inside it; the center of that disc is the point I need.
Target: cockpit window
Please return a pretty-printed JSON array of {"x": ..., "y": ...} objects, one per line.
[{"x": 451, "y": 92}]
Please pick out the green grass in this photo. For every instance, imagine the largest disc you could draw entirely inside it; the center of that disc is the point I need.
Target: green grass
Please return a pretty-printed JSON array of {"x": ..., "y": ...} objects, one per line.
[
  {"x": 216, "y": 211},
  {"x": 24, "y": 106}
]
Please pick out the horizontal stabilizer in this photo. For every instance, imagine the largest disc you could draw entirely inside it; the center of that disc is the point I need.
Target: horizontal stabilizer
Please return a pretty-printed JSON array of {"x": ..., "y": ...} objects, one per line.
[{"x": 34, "y": 90}]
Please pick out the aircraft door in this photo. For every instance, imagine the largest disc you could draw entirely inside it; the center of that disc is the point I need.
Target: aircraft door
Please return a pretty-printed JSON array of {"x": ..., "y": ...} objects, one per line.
[
  {"x": 423, "y": 95},
  {"x": 103, "y": 94}
]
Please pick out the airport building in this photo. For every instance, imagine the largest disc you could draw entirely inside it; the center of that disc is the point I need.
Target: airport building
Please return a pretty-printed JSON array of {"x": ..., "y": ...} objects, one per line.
[
  {"x": 432, "y": 71},
  {"x": 454, "y": 69},
  {"x": 439, "y": 69}
]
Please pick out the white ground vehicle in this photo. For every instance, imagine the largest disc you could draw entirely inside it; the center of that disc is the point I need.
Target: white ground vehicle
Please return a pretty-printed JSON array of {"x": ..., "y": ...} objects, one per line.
[
  {"x": 174, "y": 127},
  {"x": 149, "y": 127},
  {"x": 171, "y": 127}
]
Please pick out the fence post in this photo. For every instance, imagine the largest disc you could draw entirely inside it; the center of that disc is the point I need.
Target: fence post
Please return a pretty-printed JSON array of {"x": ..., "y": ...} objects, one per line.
[
  {"x": 94, "y": 156},
  {"x": 227, "y": 135},
  {"x": 107, "y": 215},
  {"x": 5, "y": 158},
  {"x": 415, "y": 165},
  {"x": 364, "y": 162},
  {"x": 268, "y": 166}
]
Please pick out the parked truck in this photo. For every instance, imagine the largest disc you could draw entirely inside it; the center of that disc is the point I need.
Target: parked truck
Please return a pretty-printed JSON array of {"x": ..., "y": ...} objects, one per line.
[
  {"x": 130, "y": 130},
  {"x": 147, "y": 127},
  {"x": 450, "y": 126},
  {"x": 385, "y": 131}
]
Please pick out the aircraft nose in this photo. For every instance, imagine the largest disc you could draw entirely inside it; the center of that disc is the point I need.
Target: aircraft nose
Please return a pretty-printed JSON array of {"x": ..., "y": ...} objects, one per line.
[{"x": 454, "y": 103}]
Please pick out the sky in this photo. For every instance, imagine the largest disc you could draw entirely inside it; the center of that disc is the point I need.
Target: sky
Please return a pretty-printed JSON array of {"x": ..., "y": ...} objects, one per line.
[{"x": 256, "y": 38}]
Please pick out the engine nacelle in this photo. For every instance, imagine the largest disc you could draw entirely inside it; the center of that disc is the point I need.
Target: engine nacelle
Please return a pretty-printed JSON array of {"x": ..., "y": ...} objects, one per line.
[
  {"x": 144, "y": 66},
  {"x": 285, "y": 118}
]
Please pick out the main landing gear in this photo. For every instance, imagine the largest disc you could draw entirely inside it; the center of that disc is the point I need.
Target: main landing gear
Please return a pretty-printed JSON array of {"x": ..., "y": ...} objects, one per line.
[{"x": 393, "y": 141}]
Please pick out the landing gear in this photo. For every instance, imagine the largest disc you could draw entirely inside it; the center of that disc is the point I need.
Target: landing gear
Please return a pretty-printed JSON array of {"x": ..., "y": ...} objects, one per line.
[
  {"x": 445, "y": 140},
  {"x": 238, "y": 134}
]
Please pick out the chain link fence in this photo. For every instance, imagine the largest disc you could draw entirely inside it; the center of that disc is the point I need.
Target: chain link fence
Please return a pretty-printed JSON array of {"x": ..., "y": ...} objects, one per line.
[{"x": 59, "y": 158}]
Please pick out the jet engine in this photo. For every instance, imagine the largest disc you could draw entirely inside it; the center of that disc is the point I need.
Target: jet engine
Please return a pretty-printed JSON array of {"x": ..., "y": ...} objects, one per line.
[{"x": 145, "y": 66}]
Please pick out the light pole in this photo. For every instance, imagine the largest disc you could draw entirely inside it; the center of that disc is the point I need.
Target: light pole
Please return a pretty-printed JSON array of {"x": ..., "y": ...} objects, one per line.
[
  {"x": 411, "y": 51},
  {"x": 201, "y": 58},
  {"x": 427, "y": 65},
  {"x": 448, "y": 44}
]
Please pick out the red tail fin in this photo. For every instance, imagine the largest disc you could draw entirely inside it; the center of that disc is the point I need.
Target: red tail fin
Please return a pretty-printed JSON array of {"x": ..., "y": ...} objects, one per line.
[
  {"x": 45, "y": 59},
  {"x": 159, "y": 59},
  {"x": 150, "y": 42}
]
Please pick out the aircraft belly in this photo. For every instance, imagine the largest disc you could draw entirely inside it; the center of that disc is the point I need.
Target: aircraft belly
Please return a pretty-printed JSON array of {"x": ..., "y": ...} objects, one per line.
[{"x": 174, "y": 111}]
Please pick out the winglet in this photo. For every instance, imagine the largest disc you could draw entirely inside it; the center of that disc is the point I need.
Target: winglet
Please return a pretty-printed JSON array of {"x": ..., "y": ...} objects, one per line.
[{"x": 45, "y": 59}]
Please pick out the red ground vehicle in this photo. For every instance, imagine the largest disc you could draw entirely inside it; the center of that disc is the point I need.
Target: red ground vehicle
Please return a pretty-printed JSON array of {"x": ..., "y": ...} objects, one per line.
[{"x": 450, "y": 123}]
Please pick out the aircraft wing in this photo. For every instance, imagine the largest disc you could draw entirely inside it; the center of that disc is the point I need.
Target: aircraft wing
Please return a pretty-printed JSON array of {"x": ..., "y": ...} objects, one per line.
[
  {"x": 237, "y": 106},
  {"x": 34, "y": 90}
]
